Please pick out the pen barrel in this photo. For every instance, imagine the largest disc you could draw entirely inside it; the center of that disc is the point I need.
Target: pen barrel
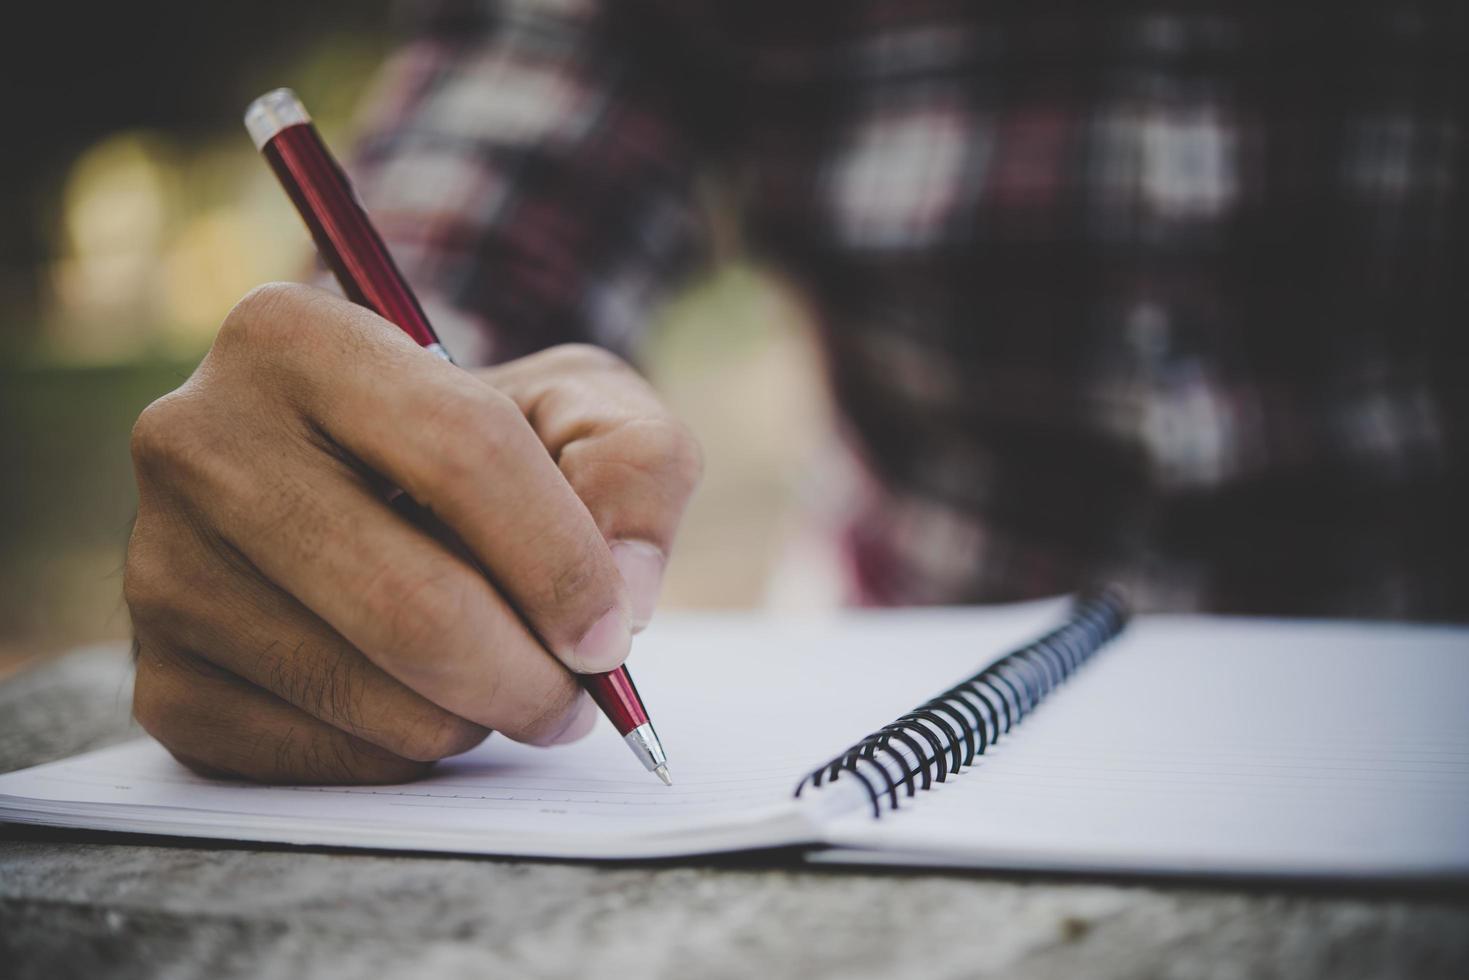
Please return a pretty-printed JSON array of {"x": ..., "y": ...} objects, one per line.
[
  {"x": 617, "y": 696},
  {"x": 344, "y": 235}
]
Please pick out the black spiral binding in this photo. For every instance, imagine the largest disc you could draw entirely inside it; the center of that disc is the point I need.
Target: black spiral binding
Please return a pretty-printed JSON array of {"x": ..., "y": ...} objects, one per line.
[{"x": 969, "y": 717}]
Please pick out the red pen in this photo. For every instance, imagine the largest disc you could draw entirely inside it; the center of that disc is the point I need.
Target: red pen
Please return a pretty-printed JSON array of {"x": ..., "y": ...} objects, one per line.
[{"x": 355, "y": 253}]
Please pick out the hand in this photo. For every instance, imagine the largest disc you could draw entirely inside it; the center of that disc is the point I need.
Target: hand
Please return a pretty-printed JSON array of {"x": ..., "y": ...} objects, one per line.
[{"x": 293, "y": 626}]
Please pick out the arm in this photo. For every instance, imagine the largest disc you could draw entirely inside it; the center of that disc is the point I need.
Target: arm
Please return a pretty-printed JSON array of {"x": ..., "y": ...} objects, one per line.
[{"x": 532, "y": 174}]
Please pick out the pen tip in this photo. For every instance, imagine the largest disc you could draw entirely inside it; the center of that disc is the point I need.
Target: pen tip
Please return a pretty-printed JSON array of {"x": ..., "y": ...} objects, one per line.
[{"x": 662, "y": 773}]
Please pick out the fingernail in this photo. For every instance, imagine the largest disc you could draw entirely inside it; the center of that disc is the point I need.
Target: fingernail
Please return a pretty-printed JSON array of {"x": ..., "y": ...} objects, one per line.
[
  {"x": 641, "y": 565},
  {"x": 605, "y": 645},
  {"x": 581, "y": 724}
]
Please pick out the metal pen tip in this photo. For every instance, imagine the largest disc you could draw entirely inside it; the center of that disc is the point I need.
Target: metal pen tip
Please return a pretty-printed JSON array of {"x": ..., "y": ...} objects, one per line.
[{"x": 662, "y": 773}]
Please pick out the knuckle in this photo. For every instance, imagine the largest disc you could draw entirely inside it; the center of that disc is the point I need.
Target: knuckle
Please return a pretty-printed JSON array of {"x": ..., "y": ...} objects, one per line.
[
  {"x": 177, "y": 443},
  {"x": 145, "y": 578},
  {"x": 576, "y": 358},
  {"x": 263, "y": 318},
  {"x": 661, "y": 453},
  {"x": 160, "y": 432},
  {"x": 668, "y": 448},
  {"x": 686, "y": 455}
]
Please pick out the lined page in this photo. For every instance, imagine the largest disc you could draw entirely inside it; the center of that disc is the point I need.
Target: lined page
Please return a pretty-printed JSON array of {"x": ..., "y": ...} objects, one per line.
[
  {"x": 745, "y": 706},
  {"x": 1225, "y": 746}
]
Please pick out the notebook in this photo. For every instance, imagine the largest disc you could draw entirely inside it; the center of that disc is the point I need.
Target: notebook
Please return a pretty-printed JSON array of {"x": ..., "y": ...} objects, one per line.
[{"x": 1166, "y": 744}]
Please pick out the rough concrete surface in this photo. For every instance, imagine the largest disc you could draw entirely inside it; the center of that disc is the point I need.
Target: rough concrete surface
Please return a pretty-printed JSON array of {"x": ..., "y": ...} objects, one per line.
[{"x": 82, "y": 905}]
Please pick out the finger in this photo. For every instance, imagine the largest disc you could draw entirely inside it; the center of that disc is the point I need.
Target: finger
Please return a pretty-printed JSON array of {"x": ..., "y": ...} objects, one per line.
[
  {"x": 632, "y": 464},
  {"x": 218, "y": 725},
  {"x": 236, "y": 620},
  {"x": 465, "y": 452},
  {"x": 414, "y": 609}
]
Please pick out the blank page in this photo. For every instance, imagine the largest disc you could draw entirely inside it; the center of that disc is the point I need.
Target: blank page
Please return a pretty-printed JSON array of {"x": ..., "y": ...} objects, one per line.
[
  {"x": 745, "y": 705},
  {"x": 1228, "y": 746}
]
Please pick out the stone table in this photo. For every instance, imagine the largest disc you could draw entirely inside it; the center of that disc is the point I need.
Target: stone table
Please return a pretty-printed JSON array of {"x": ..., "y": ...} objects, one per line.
[{"x": 87, "y": 905}]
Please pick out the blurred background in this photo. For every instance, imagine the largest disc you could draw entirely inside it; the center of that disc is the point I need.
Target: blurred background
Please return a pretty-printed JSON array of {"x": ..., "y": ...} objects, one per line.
[{"x": 134, "y": 212}]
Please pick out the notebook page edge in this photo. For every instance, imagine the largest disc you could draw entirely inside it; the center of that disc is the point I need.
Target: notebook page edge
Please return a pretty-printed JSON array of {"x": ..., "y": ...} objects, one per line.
[
  {"x": 776, "y": 823},
  {"x": 775, "y": 827}
]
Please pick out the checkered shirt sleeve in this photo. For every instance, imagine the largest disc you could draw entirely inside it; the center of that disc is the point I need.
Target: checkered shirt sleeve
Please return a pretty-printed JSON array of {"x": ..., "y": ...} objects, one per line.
[{"x": 529, "y": 174}]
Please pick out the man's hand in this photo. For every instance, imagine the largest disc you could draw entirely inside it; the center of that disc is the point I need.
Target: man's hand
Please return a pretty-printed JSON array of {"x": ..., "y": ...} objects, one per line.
[{"x": 293, "y": 625}]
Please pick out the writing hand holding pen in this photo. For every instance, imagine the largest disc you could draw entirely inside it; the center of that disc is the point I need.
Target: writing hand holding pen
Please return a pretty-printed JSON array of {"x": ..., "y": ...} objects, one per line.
[{"x": 293, "y": 626}]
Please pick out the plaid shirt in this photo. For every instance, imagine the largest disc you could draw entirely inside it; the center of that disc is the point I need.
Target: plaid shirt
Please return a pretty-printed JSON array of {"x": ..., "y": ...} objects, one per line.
[{"x": 1171, "y": 294}]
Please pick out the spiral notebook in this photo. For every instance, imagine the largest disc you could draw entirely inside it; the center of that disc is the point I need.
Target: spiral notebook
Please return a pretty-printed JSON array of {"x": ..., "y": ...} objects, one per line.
[{"x": 1049, "y": 736}]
